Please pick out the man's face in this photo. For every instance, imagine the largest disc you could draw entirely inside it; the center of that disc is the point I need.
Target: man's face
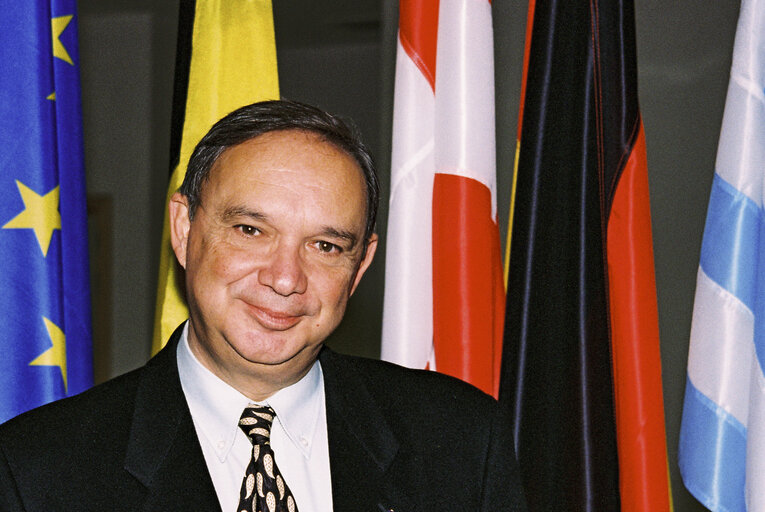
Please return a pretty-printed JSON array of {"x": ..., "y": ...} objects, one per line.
[{"x": 273, "y": 254}]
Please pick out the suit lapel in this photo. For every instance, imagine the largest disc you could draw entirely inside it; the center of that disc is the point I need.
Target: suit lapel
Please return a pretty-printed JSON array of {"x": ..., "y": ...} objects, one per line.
[
  {"x": 163, "y": 452},
  {"x": 362, "y": 448}
]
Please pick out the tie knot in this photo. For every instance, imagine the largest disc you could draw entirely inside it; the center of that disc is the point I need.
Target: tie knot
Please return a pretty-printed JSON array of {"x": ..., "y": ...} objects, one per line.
[{"x": 256, "y": 422}]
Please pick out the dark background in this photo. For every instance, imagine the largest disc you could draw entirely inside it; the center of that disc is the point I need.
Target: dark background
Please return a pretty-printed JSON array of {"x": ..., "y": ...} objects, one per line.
[{"x": 340, "y": 55}]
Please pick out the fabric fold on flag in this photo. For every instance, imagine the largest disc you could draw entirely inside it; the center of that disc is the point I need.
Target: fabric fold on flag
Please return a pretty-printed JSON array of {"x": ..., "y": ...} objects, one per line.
[
  {"x": 581, "y": 366},
  {"x": 443, "y": 286},
  {"x": 226, "y": 59},
  {"x": 722, "y": 435},
  {"x": 46, "y": 322}
]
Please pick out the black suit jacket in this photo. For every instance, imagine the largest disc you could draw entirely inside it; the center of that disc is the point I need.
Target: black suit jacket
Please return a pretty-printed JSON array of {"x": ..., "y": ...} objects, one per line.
[{"x": 399, "y": 439}]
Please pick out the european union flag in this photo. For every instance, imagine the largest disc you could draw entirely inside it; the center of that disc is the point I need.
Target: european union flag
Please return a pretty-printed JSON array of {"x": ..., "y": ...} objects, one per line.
[{"x": 45, "y": 329}]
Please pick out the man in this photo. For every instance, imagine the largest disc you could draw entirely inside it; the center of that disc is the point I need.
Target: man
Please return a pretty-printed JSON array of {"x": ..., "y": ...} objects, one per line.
[{"x": 274, "y": 226}]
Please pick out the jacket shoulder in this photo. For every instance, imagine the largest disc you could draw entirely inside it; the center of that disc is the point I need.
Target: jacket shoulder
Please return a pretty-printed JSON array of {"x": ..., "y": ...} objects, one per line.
[
  {"x": 389, "y": 382},
  {"x": 105, "y": 408},
  {"x": 74, "y": 421},
  {"x": 448, "y": 436},
  {"x": 70, "y": 454}
]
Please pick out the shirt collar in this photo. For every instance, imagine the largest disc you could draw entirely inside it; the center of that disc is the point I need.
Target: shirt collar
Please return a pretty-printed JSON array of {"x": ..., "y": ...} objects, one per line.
[{"x": 216, "y": 406}]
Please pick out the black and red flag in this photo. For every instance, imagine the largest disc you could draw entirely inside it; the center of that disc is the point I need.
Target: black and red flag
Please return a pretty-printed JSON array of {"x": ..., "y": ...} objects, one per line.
[{"x": 581, "y": 363}]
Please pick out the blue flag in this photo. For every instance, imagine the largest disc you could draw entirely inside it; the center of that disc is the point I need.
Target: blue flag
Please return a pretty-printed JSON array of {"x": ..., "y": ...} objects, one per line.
[
  {"x": 45, "y": 324},
  {"x": 722, "y": 437}
]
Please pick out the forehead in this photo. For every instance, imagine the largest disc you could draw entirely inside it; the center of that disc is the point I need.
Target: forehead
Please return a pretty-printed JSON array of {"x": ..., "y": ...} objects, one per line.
[{"x": 289, "y": 165}]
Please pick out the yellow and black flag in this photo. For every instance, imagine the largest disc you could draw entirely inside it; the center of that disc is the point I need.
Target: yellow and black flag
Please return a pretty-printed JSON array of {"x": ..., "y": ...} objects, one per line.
[{"x": 226, "y": 58}]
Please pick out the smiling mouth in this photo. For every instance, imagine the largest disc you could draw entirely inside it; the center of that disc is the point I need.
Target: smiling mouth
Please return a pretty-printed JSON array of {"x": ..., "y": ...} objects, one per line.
[{"x": 274, "y": 320}]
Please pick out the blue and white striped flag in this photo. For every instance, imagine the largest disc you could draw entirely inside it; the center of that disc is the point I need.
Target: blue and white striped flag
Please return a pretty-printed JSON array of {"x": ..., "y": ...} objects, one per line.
[{"x": 722, "y": 438}]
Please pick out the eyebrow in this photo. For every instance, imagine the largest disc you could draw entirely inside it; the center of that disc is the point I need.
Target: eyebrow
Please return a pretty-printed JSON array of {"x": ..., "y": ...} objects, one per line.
[{"x": 233, "y": 212}]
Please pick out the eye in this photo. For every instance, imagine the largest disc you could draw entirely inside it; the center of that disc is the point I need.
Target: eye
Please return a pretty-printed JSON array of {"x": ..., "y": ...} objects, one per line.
[
  {"x": 327, "y": 247},
  {"x": 247, "y": 230}
]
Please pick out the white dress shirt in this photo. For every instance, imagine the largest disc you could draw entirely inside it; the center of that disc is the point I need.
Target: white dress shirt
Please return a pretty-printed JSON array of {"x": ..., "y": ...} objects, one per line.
[{"x": 298, "y": 434}]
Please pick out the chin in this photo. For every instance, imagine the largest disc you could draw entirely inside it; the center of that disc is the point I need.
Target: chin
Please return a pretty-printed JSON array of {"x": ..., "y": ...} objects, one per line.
[{"x": 267, "y": 350}]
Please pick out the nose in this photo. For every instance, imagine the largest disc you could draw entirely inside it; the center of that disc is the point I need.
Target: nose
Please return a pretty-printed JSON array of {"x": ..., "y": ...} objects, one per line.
[{"x": 284, "y": 272}]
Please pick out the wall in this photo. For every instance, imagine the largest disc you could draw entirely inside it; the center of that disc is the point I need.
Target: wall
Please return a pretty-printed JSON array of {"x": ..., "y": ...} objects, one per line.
[
  {"x": 127, "y": 51},
  {"x": 684, "y": 56}
]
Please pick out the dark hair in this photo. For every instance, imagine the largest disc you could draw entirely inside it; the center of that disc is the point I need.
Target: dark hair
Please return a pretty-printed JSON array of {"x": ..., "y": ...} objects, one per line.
[{"x": 250, "y": 121}]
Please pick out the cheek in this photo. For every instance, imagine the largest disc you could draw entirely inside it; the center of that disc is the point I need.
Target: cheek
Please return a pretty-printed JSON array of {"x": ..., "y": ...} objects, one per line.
[
  {"x": 332, "y": 285},
  {"x": 225, "y": 264}
]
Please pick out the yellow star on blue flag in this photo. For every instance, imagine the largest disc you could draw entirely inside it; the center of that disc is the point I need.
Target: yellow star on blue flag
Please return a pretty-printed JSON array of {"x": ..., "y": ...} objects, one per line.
[
  {"x": 40, "y": 214},
  {"x": 56, "y": 355},
  {"x": 58, "y": 25}
]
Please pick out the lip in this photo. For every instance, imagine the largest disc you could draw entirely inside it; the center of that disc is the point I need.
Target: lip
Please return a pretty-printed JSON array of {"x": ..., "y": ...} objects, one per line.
[{"x": 274, "y": 320}]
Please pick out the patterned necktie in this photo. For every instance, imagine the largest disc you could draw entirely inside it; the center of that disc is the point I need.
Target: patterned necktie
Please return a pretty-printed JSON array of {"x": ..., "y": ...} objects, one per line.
[{"x": 263, "y": 488}]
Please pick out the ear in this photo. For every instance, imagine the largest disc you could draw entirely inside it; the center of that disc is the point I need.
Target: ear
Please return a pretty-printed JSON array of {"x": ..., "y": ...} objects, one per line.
[
  {"x": 365, "y": 261},
  {"x": 179, "y": 226}
]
